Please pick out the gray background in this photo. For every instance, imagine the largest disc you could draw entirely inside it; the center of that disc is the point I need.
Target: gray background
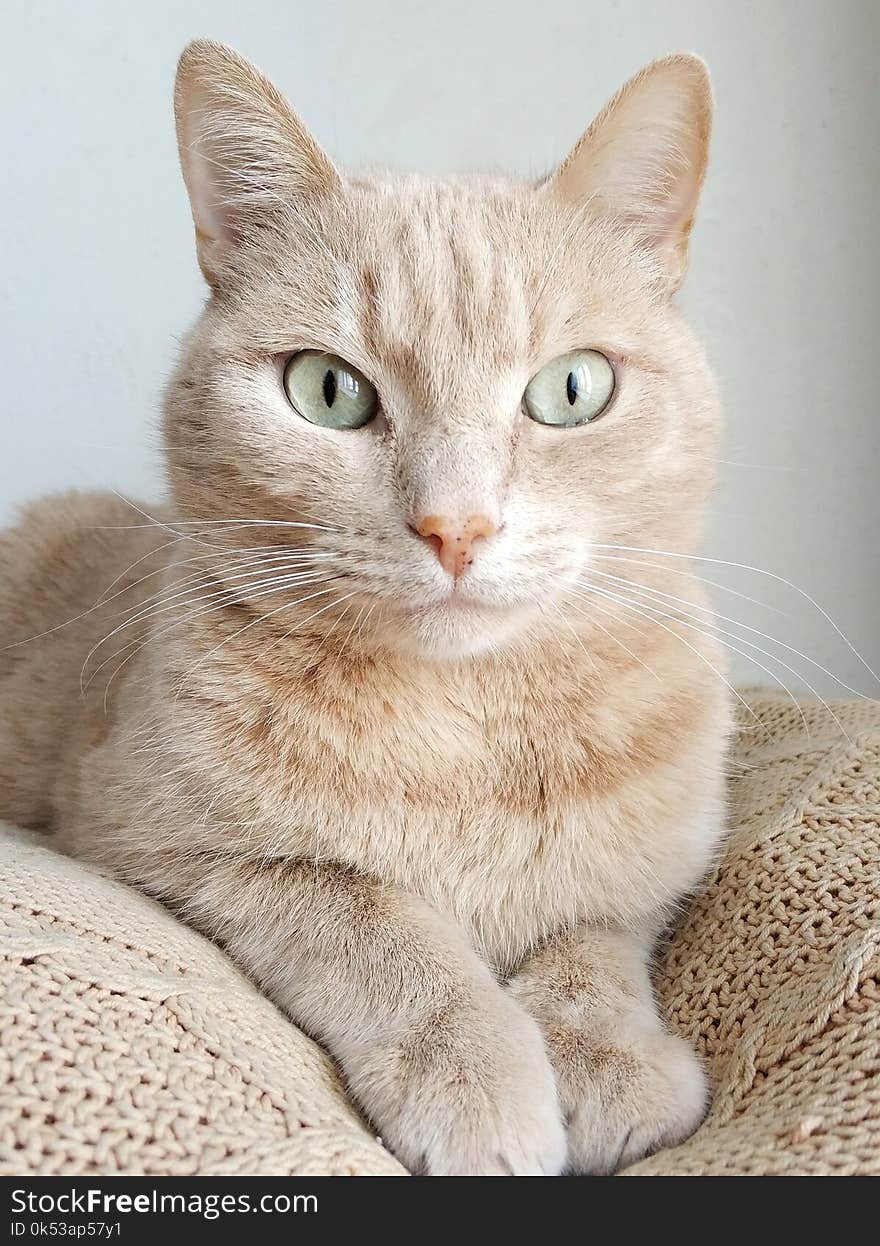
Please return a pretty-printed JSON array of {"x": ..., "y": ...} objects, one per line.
[{"x": 100, "y": 274}]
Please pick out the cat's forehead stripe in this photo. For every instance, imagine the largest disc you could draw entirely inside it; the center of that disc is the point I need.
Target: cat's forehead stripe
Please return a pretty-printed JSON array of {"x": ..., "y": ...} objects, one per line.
[{"x": 445, "y": 285}]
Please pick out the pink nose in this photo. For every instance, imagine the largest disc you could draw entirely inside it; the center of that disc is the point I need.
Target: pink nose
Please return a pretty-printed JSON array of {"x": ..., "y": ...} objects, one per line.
[{"x": 454, "y": 539}]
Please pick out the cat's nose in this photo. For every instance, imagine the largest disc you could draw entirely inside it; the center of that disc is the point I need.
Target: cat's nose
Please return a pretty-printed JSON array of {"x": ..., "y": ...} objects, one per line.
[{"x": 454, "y": 539}]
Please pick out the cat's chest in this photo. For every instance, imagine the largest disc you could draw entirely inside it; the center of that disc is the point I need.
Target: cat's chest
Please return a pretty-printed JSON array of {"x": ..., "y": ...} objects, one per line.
[
  {"x": 516, "y": 810},
  {"x": 442, "y": 761},
  {"x": 516, "y": 823}
]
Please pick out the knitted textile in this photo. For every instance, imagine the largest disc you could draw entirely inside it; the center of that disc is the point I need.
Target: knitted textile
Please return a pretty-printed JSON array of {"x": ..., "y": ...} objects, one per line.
[
  {"x": 774, "y": 974},
  {"x": 131, "y": 1045}
]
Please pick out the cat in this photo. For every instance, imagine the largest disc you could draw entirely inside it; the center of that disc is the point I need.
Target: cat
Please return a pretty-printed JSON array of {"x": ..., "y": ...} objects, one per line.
[{"x": 375, "y": 701}]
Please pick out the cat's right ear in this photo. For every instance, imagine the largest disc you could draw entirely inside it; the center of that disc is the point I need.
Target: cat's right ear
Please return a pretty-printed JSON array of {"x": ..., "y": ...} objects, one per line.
[{"x": 244, "y": 152}]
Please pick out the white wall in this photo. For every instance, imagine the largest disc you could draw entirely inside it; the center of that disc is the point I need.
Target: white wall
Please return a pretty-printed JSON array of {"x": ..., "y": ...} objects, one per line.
[{"x": 100, "y": 276}]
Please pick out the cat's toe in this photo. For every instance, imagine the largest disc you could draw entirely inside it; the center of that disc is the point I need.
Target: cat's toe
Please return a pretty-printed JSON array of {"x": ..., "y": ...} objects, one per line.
[
  {"x": 646, "y": 1095},
  {"x": 471, "y": 1094},
  {"x": 500, "y": 1120}
]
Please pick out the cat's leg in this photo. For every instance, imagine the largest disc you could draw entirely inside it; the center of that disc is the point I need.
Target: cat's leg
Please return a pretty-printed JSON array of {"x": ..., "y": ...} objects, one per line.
[
  {"x": 627, "y": 1086},
  {"x": 451, "y": 1070}
]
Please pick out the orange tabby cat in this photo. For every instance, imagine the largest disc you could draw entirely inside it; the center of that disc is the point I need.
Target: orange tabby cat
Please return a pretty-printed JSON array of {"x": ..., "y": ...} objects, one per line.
[{"x": 370, "y": 702}]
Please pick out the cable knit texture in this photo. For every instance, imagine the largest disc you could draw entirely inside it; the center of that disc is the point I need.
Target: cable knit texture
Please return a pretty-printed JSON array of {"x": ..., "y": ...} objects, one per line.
[{"x": 131, "y": 1045}]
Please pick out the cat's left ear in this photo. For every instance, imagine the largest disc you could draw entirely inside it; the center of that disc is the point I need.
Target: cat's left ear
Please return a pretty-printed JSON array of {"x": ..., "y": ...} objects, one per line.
[{"x": 643, "y": 159}]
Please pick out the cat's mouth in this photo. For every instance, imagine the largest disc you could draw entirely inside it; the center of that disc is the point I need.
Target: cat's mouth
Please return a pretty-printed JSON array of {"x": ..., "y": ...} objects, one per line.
[
  {"x": 456, "y": 624},
  {"x": 456, "y": 603}
]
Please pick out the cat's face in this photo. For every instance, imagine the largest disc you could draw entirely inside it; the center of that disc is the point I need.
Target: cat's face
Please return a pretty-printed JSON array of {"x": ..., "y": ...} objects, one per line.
[{"x": 467, "y": 385}]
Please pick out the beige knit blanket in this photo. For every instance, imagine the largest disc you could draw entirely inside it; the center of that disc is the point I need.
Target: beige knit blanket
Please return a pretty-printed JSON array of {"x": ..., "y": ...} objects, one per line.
[{"x": 130, "y": 1045}]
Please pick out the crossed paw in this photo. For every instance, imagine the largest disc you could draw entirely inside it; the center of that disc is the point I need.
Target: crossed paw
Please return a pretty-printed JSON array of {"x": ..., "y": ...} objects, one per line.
[{"x": 485, "y": 1092}]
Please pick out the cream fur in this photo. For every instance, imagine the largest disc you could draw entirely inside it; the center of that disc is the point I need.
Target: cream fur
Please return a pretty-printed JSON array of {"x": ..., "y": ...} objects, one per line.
[{"x": 440, "y": 827}]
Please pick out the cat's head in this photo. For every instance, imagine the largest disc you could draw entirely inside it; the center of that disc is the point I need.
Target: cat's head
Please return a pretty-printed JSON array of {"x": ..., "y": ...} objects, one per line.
[{"x": 468, "y": 385}]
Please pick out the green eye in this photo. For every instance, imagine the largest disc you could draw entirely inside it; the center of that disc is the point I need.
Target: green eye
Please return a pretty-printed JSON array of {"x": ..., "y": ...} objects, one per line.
[
  {"x": 573, "y": 389},
  {"x": 326, "y": 390}
]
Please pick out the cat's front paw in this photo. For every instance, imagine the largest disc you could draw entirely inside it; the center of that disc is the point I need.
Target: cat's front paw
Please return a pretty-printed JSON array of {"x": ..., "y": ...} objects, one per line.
[
  {"x": 634, "y": 1098},
  {"x": 470, "y": 1092}
]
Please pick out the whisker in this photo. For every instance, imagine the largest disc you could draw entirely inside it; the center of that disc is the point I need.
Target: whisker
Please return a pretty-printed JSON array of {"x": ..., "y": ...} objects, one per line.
[
  {"x": 567, "y": 234},
  {"x": 208, "y": 523},
  {"x": 702, "y": 657},
  {"x": 285, "y": 582},
  {"x": 104, "y": 600},
  {"x": 690, "y": 572},
  {"x": 695, "y": 626},
  {"x": 225, "y": 524},
  {"x": 680, "y": 616},
  {"x": 235, "y": 564},
  {"x": 262, "y": 619},
  {"x": 607, "y": 631},
  {"x": 187, "y": 619},
  {"x": 365, "y": 621},
  {"x": 289, "y": 633},
  {"x": 580, "y": 643},
  {"x": 606, "y": 610},
  {"x": 780, "y": 579},
  {"x": 222, "y": 575},
  {"x": 357, "y": 620},
  {"x": 736, "y": 623},
  {"x": 190, "y": 596},
  {"x": 153, "y": 522},
  {"x": 153, "y": 552}
]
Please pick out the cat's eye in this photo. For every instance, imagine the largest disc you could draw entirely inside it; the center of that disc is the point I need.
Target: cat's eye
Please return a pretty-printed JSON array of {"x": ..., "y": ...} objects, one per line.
[
  {"x": 326, "y": 390},
  {"x": 573, "y": 389}
]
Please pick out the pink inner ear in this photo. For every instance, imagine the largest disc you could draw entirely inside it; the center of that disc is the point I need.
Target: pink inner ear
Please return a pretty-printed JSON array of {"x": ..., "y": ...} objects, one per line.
[
  {"x": 644, "y": 157},
  {"x": 207, "y": 192},
  {"x": 656, "y": 180},
  {"x": 243, "y": 150}
]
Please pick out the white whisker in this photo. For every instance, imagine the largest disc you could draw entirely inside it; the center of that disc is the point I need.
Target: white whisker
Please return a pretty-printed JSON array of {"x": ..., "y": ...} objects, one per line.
[
  {"x": 681, "y": 616},
  {"x": 222, "y": 576},
  {"x": 193, "y": 596},
  {"x": 740, "y": 566},
  {"x": 702, "y": 657},
  {"x": 549, "y": 602},
  {"x": 656, "y": 592},
  {"x": 262, "y": 619},
  {"x": 610, "y": 634},
  {"x": 295, "y": 580},
  {"x": 689, "y": 572}
]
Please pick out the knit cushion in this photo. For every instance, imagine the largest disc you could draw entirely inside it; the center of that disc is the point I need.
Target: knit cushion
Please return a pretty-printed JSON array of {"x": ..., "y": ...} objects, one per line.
[
  {"x": 773, "y": 974},
  {"x": 131, "y": 1045}
]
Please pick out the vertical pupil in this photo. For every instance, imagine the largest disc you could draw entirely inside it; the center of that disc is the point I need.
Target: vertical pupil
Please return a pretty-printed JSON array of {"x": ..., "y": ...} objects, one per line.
[
  {"x": 571, "y": 388},
  {"x": 330, "y": 387}
]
